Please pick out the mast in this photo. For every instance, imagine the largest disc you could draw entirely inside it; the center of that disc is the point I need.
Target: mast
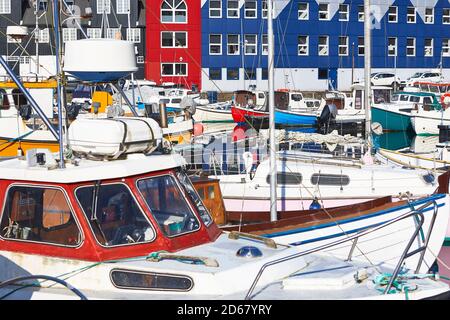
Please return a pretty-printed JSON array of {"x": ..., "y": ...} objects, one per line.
[
  {"x": 367, "y": 71},
  {"x": 36, "y": 36},
  {"x": 58, "y": 77},
  {"x": 271, "y": 88}
]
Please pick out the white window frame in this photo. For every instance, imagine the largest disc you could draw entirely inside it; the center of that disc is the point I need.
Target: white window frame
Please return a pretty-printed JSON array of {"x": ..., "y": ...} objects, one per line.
[
  {"x": 140, "y": 59},
  {"x": 410, "y": 15},
  {"x": 5, "y": 6},
  {"x": 446, "y": 47},
  {"x": 431, "y": 47},
  {"x": 248, "y": 45},
  {"x": 173, "y": 10},
  {"x": 111, "y": 33},
  {"x": 123, "y": 6},
  {"x": 322, "y": 46},
  {"x": 305, "y": 12},
  {"x": 395, "y": 47},
  {"x": 174, "y": 39},
  {"x": 264, "y": 9},
  {"x": 429, "y": 18},
  {"x": 265, "y": 45},
  {"x": 219, "y": 45},
  {"x": 134, "y": 35},
  {"x": 361, "y": 46},
  {"x": 236, "y": 10},
  {"x": 94, "y": 33},
  {"x": 174, "y": 64},
  {"x": 43, "y": 35},
  {"x": 234, "y": 44},
  {"x": 303, "y": 46},
  {"x": 390, "y": 14},
  {"x": 360, "y": 13},
  {"x": 217, "y": 11},
  {"x": 103, "y": 6},
  {"x": 343, "y": 46},
  {"x": 69, "y": 34},
  {"x": 413, "y": 47},
  {"x": 248, "y": 10},
  {"x": 321, "y": 12},
  {"x": 446, "y": 16},
  {"x": 346, "y": 12}
]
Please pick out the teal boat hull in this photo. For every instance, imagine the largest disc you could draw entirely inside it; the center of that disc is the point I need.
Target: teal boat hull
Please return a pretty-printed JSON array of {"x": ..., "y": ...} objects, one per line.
[{"x": 390, "y": 120}]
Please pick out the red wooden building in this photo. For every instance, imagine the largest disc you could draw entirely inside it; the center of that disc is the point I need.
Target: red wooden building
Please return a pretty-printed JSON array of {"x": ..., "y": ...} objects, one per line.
[{"x": 173, "y": 42}]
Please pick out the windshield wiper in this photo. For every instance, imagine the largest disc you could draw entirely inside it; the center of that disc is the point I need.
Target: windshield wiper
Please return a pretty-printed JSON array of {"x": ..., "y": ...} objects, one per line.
[{"x": 95, "y": 193}]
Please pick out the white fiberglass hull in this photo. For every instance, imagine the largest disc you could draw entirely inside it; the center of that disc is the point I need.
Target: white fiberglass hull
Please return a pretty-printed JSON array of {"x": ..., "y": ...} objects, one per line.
[{"x": 427, "y": 122}]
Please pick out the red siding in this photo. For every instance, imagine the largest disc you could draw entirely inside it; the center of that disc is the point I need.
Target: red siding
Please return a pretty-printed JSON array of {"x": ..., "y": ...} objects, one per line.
[{"x": 191, "y": 55}]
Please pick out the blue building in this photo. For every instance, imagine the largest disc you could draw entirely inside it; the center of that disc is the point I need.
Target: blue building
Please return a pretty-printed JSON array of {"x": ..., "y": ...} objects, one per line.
[{"x": 320, "y": 43}]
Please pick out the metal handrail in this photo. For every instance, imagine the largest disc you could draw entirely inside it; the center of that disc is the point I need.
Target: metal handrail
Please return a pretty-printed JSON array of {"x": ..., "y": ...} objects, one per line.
[{"x": 356, "y": 236}]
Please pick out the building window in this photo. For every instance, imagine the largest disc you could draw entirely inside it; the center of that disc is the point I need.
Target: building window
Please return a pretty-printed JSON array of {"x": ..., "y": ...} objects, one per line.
[
  {"x": 233, "y": 44},
  {"x": 411, "y": 15},
  {"x": 25, "y": 60},
  {"x": 103, "y": 6},
  {"x": 215, "y": 44},
  {"x": 361, "y": 13},
  {"x": 215, "y": 74},
  {"x": 140, "y": 59},
  {"x": 410, "y": 47},
  {"x": 446, "y": 16},
  {"x": 173, "y": 11},
  {"x": 429, "y": 45},
  {"x": 392, "y": 15},
  {"x": 303, "y": 11},
  {"x": 250, "y": 74},
  {"x": 250, "y": 44},
  {"x": 174, "y": 69},
  {"x": 171, "y": 39},
  {"x": 232, "y": 74},
  {"x": 39, "y": 214},
  {"x": 265, "y": 45},
  {"x": 215, "y": 8},
  {"x": 264, "y": 9},
  {"x": 44, "y": 36},
  {"x": 123, "y": 6},
  {"x": 446, "y": 47},
  {"x": 5, "y": 6},
  {"x": 343, "y": 12},
  {"x": 264, "y": 74},
  {"x": 134, "y": 35},
  {"x": 303, "y": 49},
  {"x": 113, "y": 33},
  {"x": 233, "y": 9},
  {"x": 323, "y": 11},
  {"x": 69, "y": 34},
  {"x": 94, "y": 33},
  {"x": 429, "y": 15},
  {"x": 343, "y": 46},
  {"x": 250, "y": 8},
  {"x": 392, "y": 46},
  {"x": 322, "y": 74},
  {"x": 323, "y": 45},
  {"x": 361, "y": 46}
]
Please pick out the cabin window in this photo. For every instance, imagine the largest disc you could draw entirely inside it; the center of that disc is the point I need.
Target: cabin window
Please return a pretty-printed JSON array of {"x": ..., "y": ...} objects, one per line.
[
  {"x": 404, "y": 98},
  {"x": 330, "y": 179},
  {"x": 190, "y": 189},
  {"x": 116, "y": 218},
  {"x": 168, "y": 205},
  {"x": 414, "y": 99},
  {"x": 126, "y": 279},
  {"x": 39, "y": 214},
  {"x": 4, "y": 101},
  {"x": 427, "y": 100},
  {"x": 287, "y": 178}
]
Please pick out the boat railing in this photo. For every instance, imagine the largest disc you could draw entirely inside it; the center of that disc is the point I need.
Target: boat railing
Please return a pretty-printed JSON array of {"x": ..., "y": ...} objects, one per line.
[{"x": 416, "y": 213}]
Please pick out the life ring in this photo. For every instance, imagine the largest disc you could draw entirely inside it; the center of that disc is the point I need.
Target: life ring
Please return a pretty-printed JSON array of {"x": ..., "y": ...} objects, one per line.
[{"x": 445, "y": 100}]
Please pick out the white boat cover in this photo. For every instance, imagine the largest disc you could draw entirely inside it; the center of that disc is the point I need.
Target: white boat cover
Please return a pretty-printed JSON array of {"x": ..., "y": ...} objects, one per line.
[{"x": 113, "y": 137}]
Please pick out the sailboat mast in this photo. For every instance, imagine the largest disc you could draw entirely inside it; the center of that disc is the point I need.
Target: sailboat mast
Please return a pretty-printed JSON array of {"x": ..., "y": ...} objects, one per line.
[
  {"x": 58, "y": 77},
  {"x": 367, "y": 70},
  {"x": 271, "y": 89}
]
